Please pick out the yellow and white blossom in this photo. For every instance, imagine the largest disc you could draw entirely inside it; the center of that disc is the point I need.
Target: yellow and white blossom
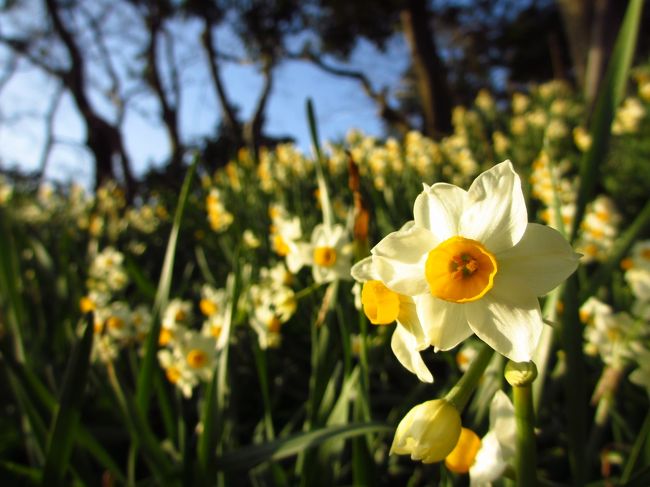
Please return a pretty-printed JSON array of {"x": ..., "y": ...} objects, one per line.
[
  {"x": 107, "y": 272},
  {"x": 607, "y": 333},
  {"x": 329, "y": 254},
  {"x": 473, "y": 264},
  {"x": 189, "y": 361},
  {"x": 218, "y": 216},
  {"x": 272, "y": 306},
  {"x": 428, "y": 432},
  {"x": 628, "y": 117},
  {"x": 175, "y": 319},
  {"x": 486, "y": 459},
  {"x": 382, "y": 307}
]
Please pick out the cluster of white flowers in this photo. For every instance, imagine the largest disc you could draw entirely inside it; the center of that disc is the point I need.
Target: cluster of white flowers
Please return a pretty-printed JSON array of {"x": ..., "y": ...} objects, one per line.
[
  {"x": 622, "y": 338},
  {"x": 637, "y": 275},
  {"x": 281, "y": 166},
  {"x": 550, "y": 184},
  {"x": 107, "y": 275},
  {"x": 607, "y": 334},
  {"x": 272, "y": 303},
  {"x": 188, "y": 356},
  {"x": 117, "y": 325},
  {"x": 628, "y": 117},
  {"x": 218, "y": 216},
  {"x": 285, "y": 233},
  {"x": 598, "y": 229},
  {"x": 146, "y": 218}
]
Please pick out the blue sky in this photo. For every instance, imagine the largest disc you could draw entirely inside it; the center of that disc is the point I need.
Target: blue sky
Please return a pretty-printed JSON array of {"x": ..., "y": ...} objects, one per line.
[{"x": 340, "y": 106}]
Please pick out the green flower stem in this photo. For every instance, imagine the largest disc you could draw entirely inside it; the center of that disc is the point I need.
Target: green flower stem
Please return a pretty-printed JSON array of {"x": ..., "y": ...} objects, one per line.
[
  {"x": 521, "y": 377},
  {"x": 459, "y": 395}
]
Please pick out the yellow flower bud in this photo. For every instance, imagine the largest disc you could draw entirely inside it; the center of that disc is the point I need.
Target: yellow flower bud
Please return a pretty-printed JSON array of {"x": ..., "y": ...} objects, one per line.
[{"x": 428, "y": 432}]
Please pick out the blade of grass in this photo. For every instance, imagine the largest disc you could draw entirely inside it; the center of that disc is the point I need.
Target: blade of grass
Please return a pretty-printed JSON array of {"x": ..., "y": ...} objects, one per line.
[
  {"x": 641, "y": 439},
  {"x": 281, "y": 448},
  {"x": 326, "y": 205},
  {"x": 34, "y": 388},
  {"x": 10, "y": 285},
  {"x": 17, "y": 474},
  {"x": 609, "y": 98},
  {"x": 145, "y": 377},
  {"x": 66, "y": 418}
]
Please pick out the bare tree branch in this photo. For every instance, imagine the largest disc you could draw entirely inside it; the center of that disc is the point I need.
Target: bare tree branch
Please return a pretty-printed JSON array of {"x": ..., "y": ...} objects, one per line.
[
  {"x": 229, "y": 118},
  {"x": 169, "y": 110},
  {"x": 253, "y": 128},
  {"x": 49, "y": 141},
  {"x": 390, "y": 115},
  {"x": 103, "y": 139}
]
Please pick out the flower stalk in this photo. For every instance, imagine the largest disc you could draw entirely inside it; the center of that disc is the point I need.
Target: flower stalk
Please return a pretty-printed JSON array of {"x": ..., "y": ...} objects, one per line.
[
  {"x": 521, "y": 375},
  {"x": 459, "y": 394}
]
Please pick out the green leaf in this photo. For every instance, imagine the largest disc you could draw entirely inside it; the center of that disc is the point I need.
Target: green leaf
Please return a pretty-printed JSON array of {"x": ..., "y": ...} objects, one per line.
[
  {"x": 32, "y": 387},
  {"x": 326, "y": 204},
  {"x": 66, "y": 418},
  {"x": 281, "y": 448},
  {"x": 17, "y": 474},
  {"x": 10, "y": 285},
  {"x": 609, "y": 98},
  {"x": 642, "y": 438},
  {"x": 145, "y": 376},
  {"x": 641, "y": 479}
]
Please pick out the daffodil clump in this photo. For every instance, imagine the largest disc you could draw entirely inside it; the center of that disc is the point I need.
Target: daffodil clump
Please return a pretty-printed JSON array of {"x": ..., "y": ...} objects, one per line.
[{"x": 289, "y": 298}]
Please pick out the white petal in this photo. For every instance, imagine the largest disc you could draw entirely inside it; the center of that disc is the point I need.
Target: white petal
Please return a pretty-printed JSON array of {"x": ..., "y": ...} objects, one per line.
[
  {"x": 444, "y": 322},
  {"x": 539, "y": 262},
  {"x": 495, "y": 213},
  {"x": 300, "y": 254},
  {"x": 510, "y": 325},
  {"x": 399, "y": 260},
  {"x": 408, "y": 318},
  {"x": 405, "y": 349},
  {"x": 363, "y": 271},
  {"x": 320, "y": 234},
  {"x": 489, "y": 464},
  {"x": 439, "y": 210},
  {"x": 502, "y": 423}
]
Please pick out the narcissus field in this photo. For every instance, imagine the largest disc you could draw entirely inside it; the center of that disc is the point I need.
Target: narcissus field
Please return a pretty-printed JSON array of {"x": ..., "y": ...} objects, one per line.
[{"x": 468, "y": 310}]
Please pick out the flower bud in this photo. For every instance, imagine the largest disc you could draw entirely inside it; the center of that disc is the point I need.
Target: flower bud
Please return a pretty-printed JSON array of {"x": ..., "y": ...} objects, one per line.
[
  {"x": 428, "y": 432},
  {"x": 519, "y": 374}
]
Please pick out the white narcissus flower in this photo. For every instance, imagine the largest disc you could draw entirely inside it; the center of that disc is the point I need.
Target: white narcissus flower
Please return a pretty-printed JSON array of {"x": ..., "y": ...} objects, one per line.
[
  {"x": 329, "y": 254},
  {"x": 473, "y": 264},
  {"x": 383, "y": 306},
  {"x": 486, "y": 459}
]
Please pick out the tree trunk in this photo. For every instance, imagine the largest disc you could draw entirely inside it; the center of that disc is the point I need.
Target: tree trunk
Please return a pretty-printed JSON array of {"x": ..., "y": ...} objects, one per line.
[
  {"x": 591, "y": 27},
  {"x": 102, "y": 139},
  {"x": 429, "y": 69}
]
